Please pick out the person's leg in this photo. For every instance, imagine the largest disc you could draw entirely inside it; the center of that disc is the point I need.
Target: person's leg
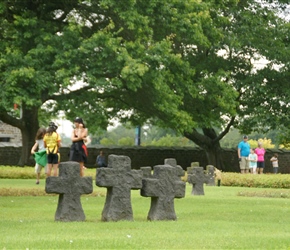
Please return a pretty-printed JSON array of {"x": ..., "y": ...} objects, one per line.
[
  {"x": 55, "y": 168},
  {"x": 247, "y": 165},
  {"x": 262, "y": 166},
  {"x": 81, "y": 169},
  {"x": 38, "y": 178},
  {"x": 55, "y": 164},
  {"x": 45, "y": 169},
  {"x": 49, "y": 167},
  {"x": 243, "y": 165},
  {"x": 37, "y": 171},
  {"x": 254, "y": 170}
]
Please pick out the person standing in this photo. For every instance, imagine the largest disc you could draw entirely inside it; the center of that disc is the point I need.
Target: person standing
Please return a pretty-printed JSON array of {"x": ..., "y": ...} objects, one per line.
[
  {"x": 218, "y": 176},
  {"x": 243, "y": 154},
  {"x": 253, "y": 161},
  {"x": 78, "y": 150},
  {"x": 39, "y": 149},
  {"x": 260, "y": 152},
  {"x": 101, "y": 160},
  {"x": 52, "y": 144},
  {"x": 275, "y": 164}
]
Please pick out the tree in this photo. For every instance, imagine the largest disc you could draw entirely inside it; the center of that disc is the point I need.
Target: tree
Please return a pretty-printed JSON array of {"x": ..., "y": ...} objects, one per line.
[
  {"x": 187, "y": 65},
  {"x": 39, "y": 41},
  {"x": 195, "y": 71},
  {"x": 150, "y": 136}
]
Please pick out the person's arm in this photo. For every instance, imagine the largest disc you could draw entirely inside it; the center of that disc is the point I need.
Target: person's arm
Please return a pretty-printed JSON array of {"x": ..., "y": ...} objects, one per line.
[
  {"x": 239, "y": 153},
  {"x": 76, "y": 135},
  {"x": 34, "y": 148},
  {"x": 79, "y": 134},
  {"x": 84, "y": 134},
  {"x": 58, "y": 141},
  {"x": 44, "y": 142}
]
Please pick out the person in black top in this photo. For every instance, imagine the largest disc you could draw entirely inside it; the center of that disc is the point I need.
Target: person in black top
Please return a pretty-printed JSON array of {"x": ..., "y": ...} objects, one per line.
[{"x": 78, "y": 150}]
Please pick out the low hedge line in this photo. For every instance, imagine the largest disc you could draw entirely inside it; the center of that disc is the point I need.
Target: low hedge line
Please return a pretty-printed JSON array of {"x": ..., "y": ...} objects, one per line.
[
  {"x": 256, "y": 180},
  {"x": 228, "y": 179},
  {"x": 27, "y": 172}
]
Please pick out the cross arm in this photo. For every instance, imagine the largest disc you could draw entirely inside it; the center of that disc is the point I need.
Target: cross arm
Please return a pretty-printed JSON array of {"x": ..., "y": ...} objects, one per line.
[
  {"x": 86, "y": 185},
  {"x": 135, "y": 179},
  {"x": 150, "y": 187},
  {"x": 55, "y": 185}
]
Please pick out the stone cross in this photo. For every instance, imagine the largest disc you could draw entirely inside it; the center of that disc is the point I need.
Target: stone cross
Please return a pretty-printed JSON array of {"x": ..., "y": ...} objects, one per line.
[
  {"x": 172, "y": 162},
  {"x": 70, "y": 186},
  {"x": 163, "y": 186},
  {"x": 119, "y": 179},
  {"x": 210, "y": 175},
  {"x": 196, "y": 177}
]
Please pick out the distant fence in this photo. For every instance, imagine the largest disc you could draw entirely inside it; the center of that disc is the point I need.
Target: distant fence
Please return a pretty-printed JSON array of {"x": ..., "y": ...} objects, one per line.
[{"x": 151, "y": 156}]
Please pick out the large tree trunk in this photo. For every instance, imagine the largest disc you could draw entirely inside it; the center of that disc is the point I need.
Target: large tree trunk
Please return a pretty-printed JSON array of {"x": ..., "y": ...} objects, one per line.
[
  {"x": 209, "y": 141},
  {"x": 213, "y": 154},
  {"x": 29, "y": 127}
]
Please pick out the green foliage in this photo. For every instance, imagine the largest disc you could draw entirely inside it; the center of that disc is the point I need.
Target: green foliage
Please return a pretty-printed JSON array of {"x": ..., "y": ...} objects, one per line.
[
  {"x": 150, "y": 136},
  {"x": 187, "y": 65},
  {"x": 12, "y": 172},
  {"x": 107, "y": 142},
  {"x": 232, "y": 139},
  {"x": 256, "y": 180},
  {"x": 126, "y": 141},
  {"x": 170, "y": 141},
  {"x": 267, "y": 143}
]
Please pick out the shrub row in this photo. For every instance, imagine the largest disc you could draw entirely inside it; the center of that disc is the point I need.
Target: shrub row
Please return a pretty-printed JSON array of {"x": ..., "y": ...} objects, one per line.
[
  {"x": 12, "y": 172},
  {"x": 228, "y": 179},
  {"x": 256, "y": 180}
]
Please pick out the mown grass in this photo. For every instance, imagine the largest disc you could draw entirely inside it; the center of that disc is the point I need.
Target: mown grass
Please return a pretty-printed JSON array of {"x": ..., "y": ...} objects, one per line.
[{"x": 219, "y": 220}]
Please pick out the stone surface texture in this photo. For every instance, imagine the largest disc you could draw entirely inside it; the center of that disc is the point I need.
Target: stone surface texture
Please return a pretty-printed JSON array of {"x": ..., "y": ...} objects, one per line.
[
  {"x": 70, "y": 186},
  {"x": 119, "y": 179},
  {"x": 163, "y": 187},
  {"x": 197, "y": 177},
  {"x": 210, "y": 174}
]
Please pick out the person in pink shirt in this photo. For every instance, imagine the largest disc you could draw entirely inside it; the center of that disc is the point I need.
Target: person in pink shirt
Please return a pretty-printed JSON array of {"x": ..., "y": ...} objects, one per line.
[{"x": 260, "y": 152}]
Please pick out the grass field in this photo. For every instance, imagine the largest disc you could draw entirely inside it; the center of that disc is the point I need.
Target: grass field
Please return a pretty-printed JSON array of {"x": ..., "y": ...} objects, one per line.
[{"x": 221, "y": 219}]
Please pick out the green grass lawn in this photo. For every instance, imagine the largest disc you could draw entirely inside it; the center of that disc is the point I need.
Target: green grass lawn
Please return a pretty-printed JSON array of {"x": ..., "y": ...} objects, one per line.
[{"x": 219, "y": 220}]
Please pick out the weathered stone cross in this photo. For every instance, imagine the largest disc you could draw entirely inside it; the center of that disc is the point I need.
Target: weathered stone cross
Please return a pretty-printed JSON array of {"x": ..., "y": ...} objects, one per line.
[
  {"x": 163, "y": 186},
  {"x": 196, "y": 177},
  {"x": 70, "y": 186},
  {"x": 210, "y": 175},
  {"x": 119, "y": 179}
]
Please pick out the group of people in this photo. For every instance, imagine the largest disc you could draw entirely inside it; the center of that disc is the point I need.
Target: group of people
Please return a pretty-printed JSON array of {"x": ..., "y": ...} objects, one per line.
[
  {"x": 253, "y": 159},
  {"x": 48, "y": 142}
]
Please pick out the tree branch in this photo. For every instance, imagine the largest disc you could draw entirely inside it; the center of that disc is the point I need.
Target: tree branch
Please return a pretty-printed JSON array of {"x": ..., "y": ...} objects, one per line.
[
  {"x": 226, "y": 130},
  {"x": 71, "y": 94},
  {"x": 13, "y": 121}
]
